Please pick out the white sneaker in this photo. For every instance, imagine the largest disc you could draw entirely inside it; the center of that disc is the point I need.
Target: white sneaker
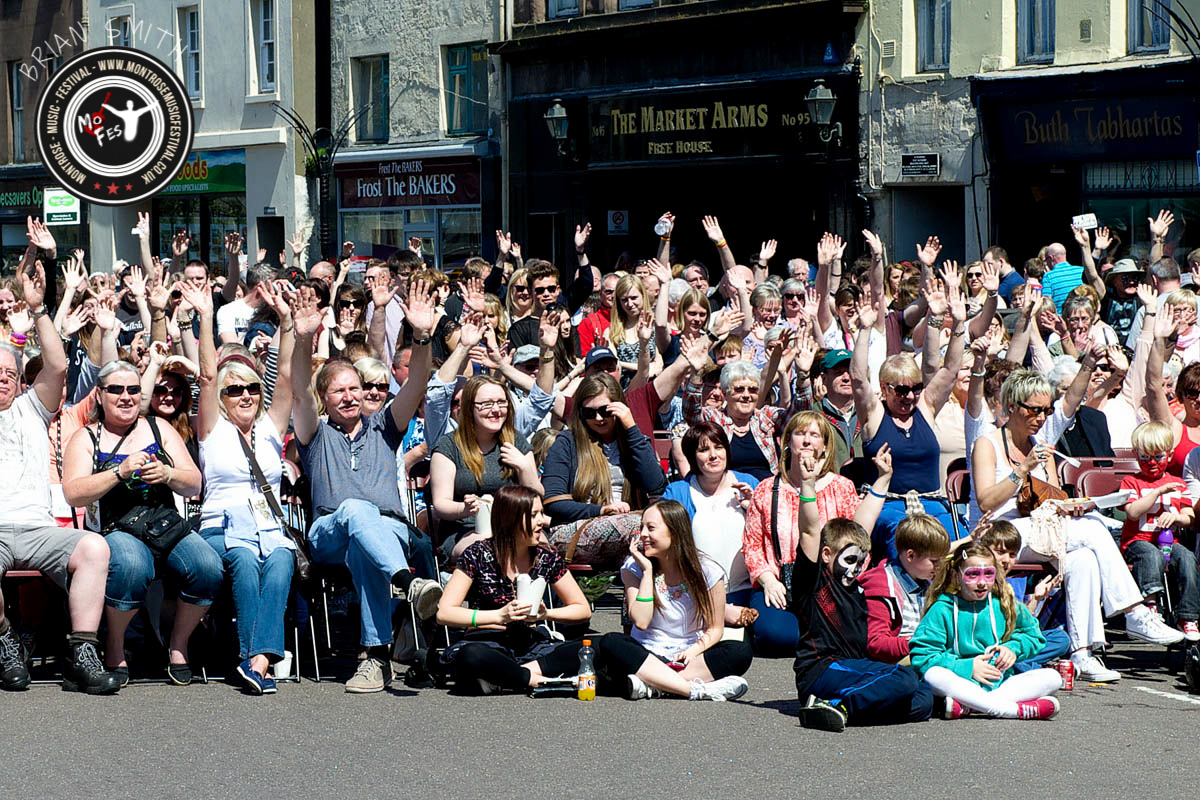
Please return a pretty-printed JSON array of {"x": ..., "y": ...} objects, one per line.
[
  {"x": 1143, "y": 624},
  {"x": 424, "y": 595},
  {"x": 1191, "y": 631},
  {"x": 1091, "y": 669},
  {"x": 638, "y": 689},
  {"x": 728, "y": 688}
]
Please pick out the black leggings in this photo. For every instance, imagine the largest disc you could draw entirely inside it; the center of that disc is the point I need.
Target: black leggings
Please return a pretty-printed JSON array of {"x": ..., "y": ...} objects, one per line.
[
  {"x": 621, "y": 655},
  {"x": 476, "y": 661}
]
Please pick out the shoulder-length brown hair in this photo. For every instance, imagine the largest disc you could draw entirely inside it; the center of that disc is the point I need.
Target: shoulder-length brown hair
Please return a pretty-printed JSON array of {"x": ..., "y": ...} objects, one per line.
[
  {"x": 512, "y": 517},
  {"x": 593, "y": 477},
  {"x": 687, "y": 558},
  {"x": 465, "y": 437}
]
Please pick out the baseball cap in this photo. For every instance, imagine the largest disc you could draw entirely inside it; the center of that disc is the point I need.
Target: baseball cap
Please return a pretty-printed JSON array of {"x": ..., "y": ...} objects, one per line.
[
  {"x": 598, "y": 354},
  {"x": 835, "y": 357},
  {"x": 526, "y": 352}
]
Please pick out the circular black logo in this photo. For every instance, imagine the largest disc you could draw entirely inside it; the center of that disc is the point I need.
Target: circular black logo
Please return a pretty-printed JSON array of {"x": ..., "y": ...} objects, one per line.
[{"x": 114, "y": 125}]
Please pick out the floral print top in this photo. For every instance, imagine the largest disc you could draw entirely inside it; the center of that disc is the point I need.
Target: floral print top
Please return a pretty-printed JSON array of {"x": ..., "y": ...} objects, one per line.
[{"x": 490, "y": 587}]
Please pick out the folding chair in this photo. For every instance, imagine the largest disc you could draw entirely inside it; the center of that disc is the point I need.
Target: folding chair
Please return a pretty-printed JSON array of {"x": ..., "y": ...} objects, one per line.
[
  {"x": 958, "y": 492},
  {"x": 1068, "y": 474},
  {"x": 662, "y": 448}
]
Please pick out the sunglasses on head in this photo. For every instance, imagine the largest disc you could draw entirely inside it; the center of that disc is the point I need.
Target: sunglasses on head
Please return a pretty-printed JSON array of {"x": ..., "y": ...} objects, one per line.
[
  {"x": 594, "y": 413},
  {"x": 379, "y": 387},
  {"x": 162, "y": 390},
  {"x": 116, "y": 390},
  {"x": 977, "y": 574},
  {"x": 904, "y": 390},
  {"x": 237, "y": 390},
  {"x": 1044, "y": 411}
]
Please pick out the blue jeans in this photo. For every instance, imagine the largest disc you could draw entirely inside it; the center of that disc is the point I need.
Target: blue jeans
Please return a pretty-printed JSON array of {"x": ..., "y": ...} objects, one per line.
[
  {"x": 775, "y": 631},
  {"x": 131, "y": 567},
  {"x": 875, "y": 693},
  {"x": 374, "y": 548},
  {"x": 883, "y": 538},
  {"x": 1149, "y": 567},
  {"x": 1058, "y": 645},
  {"x": 260, "y": 594}
]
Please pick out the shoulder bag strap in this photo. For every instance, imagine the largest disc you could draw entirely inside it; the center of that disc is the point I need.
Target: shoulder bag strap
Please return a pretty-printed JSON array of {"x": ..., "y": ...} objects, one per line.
[
  {"x": 261, "y": 479},
  {"x": 775, "y": 522},
  {"x": 116, "y": 447}
]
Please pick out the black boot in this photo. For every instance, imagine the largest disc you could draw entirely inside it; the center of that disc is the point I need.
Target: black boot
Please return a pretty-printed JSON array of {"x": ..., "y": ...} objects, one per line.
[
  {"x": 84, "y": 672},
  {"x": 14, "y": 666}
]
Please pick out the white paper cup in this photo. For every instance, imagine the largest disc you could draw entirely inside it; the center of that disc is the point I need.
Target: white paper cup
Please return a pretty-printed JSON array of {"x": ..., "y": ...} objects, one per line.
[
  {"x": 283, "y": 667},
  {"x": 530, "y": 591},
  {"x": 483, "y": 517}
]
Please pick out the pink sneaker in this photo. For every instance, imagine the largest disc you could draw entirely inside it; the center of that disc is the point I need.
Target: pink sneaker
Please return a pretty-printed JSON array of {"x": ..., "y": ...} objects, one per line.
[
  {"x": 955, "y": 709},
  {"x": 1043, "y": 708}
]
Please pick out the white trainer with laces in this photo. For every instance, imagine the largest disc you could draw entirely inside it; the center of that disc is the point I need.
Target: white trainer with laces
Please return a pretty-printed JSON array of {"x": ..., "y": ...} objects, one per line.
[
  {"x": 640, "y": 690},
  {"x": 1091, "y": 669},
  {"x": 1191, "y": 631},
  {"x": 1145, "y": 625},
  {"x": 728, "y": 688}
]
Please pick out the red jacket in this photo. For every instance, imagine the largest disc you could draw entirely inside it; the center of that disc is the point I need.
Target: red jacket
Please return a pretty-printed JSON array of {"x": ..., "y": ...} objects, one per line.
[
  {"x": 884, "y": 642},
  {"x": 592, "y": 329}
]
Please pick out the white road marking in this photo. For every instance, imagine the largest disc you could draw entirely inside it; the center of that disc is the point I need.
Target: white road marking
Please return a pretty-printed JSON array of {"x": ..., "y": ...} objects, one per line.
[{"x": 1173, "y": 695}]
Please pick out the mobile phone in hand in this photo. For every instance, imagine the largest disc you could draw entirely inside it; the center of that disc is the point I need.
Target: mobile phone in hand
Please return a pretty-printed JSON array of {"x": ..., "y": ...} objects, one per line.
[{"x": 678, "y": 666}]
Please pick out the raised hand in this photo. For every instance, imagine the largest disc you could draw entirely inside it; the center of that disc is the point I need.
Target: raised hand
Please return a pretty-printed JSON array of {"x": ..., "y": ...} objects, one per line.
[
  {"x": 1103, "y": 239},
  {"x": 201, "y": 300},
  {"x": 159, "y": 297},
  {"x": 981, "y": 347},
  {"x": 867, "y": 315},
  {"x": 830, "y": 249},
  {"x": 135, "y": 282},
  {"x": 261, "y": 255},
  {"x": 1082, "y": 237},
  {"x": 106, "y": 312},
  {"x": 306, "y": 314},
  {"x": 1117, "y": 358},
  {"x": 935, "y": 297},
  {"x": 661, "y": 271},
  {"x": 415, "y": 244},
  {"x": 181, "y": 242},
  {"x": 669, "y": 219},
  {"x": 582, "y": 234},
  {"x": 812, "y": 302},
  {"x": 883, "y": 460},
  {"x": 645, "y": 327},
  {"x": 74, "y": 274},
  {"x": 806, "y": 353},
  {"x": 725, "y": 322},
  {"x": 766, "y": 251},
  {"x": 383, "y": 290},
  {"x": 419, "y": 310},
  {"x": 33, "y": 287},
  {"x": 1033, "y": 298},
  {"x": 1148, "y": 297},
  {"x": 503, "y": 243},
  {"x": 954, "y": 295},
  {"x": 473, "y": 295},
  {"x": 712, "y": 228},
  {"x": 82, "y": 315},
  {"x": 298, "y": 243},
  {"x": 516, "y": 251},
  {"x": 550, "y": 328},
  {"x": 991, "y": 276},
  {"x": 19, "y": 318},
  {"x": 873, "y": 242},
  {"x": 39, "y": 235},
  {"x": 695, "y": 351},
  {"x": 928, "y": 254},
  {"x": 1160, "y": 226},
  {"x": 471, "y": 329}
]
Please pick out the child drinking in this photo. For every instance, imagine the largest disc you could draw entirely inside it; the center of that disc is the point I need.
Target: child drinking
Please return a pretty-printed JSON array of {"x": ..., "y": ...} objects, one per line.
[{"x": 972, "y": 634}]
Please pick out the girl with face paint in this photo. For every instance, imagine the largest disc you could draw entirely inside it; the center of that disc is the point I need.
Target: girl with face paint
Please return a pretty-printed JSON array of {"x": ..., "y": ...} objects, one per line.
[
  {"x": 972, "y": 634},
  {"x": 833, "y": 673},
  {"x": 1160, "y": 504}
]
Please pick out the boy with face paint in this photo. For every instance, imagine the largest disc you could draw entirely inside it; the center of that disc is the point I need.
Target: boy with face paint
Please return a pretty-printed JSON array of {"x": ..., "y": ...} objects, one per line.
[
  {"x": 1161, "y": 506},
  {"x": 833, "y": 671}
]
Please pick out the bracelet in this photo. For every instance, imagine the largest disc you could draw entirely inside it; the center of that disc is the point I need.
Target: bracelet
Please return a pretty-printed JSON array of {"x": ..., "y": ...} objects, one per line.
[
  {"x": 1150, "y": 314},
  {"x": 804, "y": 499},
  {"x": 158, "y": 316},
  {"x": 720, "y": 244},
  {"x": 288, "y": 329},
  {"x": 871, "y": 491},
  {"x": 978, "y": 374},
  {"x": 18, "y": 339},
  {"x": 421, "y": 342},
  {"x": 644, "y": 599},
  {"x": 993, "y": 294},
  {"x": 665, "y": 238},
  {"x": 473, "y": 613},
  {"x": 937, "y": 321},
  {"x": 1015, "y": 478},
  {"x": 39, "y": 312}
]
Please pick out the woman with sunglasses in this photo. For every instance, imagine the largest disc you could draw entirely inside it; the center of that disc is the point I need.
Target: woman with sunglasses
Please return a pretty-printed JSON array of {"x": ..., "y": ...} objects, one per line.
[
  {"x": 237, "y": 518},
  {"x": 1186, "y": 431},
  {"x": 974, "y": 291},
  {"x": 602, "y": 463},
  {"x": 1095, "y": 575},
  {"x": 518, "y": 300},
  {"x": 794, "y": 298},
  {"x": 902, "y": 414},
  {"x": 376, "y": 383},
  {"x": 167, "y": 394},
  {"x": 349, "y": 314},
  {"x": 484, "y": 453},
  {"x": 121, "y": 462}
]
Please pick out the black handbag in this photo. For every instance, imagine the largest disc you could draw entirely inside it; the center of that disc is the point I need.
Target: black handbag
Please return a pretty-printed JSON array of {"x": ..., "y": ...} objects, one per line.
[
  {"x": 785, "y": 570},
  {"x": 303, "y": 570}
]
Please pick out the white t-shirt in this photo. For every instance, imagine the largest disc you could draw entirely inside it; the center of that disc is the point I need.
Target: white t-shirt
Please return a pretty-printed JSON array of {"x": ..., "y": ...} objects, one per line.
[
  {"x": 228, "y": 481},
  {"x": 676, "y": 626},
  {"x": 25, "y": 463},
  {"x": 717, "y": 528},
  {"x": 833, "y": 339},
  {"x": 234, "y": 318}
]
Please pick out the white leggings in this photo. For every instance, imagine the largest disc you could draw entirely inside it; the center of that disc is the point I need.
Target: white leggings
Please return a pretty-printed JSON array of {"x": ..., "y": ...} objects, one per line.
[
  {"x": 1001, "y": 701},
  {"x": 1094, "y": 576}
]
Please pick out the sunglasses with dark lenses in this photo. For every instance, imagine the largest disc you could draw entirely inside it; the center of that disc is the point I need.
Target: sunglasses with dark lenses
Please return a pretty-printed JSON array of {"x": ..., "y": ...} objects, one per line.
[
  {"x": 974, "y": 274},
  {"x": 351, "y": 304},
  {"x": 162, "y": 390},
  {"x": 237, "y": 390},
  {"x": 1044, "y": 411},
  {"x": 904, "y": 390},
  {"x": 520, "y": 288},
  {"x": 977, "y": 574},
  {"x": 545, "y": 290},
  {"x": 594, "y": 413},
  {"x": 792, "y": 296},
  {"x": 116, "y": 390},
  {"x": 379, "y": 387}
]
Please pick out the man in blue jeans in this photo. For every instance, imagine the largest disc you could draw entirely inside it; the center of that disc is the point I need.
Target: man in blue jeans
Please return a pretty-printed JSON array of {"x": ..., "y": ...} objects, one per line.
[{"x": 351, "y": 463}]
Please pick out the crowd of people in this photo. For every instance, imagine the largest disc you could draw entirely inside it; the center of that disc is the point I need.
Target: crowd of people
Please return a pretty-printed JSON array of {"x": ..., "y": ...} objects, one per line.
[{"x": 761, "y": 461}]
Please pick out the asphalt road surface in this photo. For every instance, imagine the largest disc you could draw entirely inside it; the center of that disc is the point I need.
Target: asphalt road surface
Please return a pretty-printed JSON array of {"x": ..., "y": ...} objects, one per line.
[{"x": 1137, "y": 737}]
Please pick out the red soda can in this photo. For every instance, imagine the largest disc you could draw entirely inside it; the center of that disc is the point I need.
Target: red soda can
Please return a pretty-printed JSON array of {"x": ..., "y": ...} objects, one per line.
[{"x": 1067, "y": 670}]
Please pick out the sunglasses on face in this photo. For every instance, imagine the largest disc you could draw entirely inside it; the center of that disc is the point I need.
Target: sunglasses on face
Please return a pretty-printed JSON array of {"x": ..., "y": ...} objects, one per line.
[
  {"x": 238, "y": 390},
  {"x": 974, "y": 274},
  {"x": 162, "y": 390},
  {"x": 379, "y": 387},
  {"x": 977, "y": 574},
  {"x": 350, "y": 304},
  {"x": 608, "y": 291},
  {"x": 594, "y": 413},
  {"x": 905, "y": 391},
  {"x": 116, "y": 390},
  {"x": 520, "y": 289},
  {"x": 545, "y": 290},
  {"x": 1038, "y": 411},
  {"x": 743, "y": 390},
  {"x": 793, "y": 296}
]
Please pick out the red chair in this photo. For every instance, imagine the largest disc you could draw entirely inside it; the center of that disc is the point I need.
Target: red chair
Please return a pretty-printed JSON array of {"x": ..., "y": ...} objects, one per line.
[
  {"x": 958, "y": 492},
  {"x": 1068, "y": 475},
  {"x": 1097, "y": 482},
  {"x": 662, "y": 448}
]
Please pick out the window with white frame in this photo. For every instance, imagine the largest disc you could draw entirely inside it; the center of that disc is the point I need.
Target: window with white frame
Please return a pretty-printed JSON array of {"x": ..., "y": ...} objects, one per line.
[
  {"x": 370, "y": 76},
  {"x": 1149, "y": 26},
  {"x": 1035, "y": 21},
  {"x": 120, "y": 32},
  {"x": 264, "y": 26},
  {"x": 16, "y": 94},
  {"x": 562, "y": 8},
  {"x": 933, "y": 35},
  {"x": 189, "y": 26}
]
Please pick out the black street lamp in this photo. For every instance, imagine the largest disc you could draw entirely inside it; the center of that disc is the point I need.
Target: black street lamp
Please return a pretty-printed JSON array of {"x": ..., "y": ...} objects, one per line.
[
  {"x": 821, "y": 101},
  {"x": 557, "y": 122}
]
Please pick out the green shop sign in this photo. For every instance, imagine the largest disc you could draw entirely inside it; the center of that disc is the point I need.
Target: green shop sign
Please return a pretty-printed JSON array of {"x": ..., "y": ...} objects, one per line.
[{"x": 211, "y": 172}]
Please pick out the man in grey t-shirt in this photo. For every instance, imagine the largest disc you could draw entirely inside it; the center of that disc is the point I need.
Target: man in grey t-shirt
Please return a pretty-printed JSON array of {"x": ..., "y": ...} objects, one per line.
[{"x": 351, "y": 463}]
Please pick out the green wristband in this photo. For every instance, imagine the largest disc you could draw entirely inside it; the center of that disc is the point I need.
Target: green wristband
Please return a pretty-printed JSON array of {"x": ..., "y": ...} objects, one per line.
[
  {"x": 804, "y": 499},
  {"x": 473, "y": 613},
  {"x": 645, "y": 599}
]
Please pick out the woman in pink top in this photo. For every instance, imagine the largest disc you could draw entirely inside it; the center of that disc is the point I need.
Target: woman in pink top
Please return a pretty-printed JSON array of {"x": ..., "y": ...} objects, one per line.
[{"x": 772, "y": 521}]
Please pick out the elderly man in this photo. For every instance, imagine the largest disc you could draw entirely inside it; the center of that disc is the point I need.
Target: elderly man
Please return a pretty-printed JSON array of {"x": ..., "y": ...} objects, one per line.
[
  {"x": 29, "y": 536},
  {"x": 1060, "y": 277}
]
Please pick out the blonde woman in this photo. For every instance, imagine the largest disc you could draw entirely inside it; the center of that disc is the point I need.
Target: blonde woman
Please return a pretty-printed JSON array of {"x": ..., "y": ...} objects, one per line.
[
  {"x": 238, "y": 518},
  {"x": 518, "y": 301},
  {"x": 629, "y": 306},
  {"x": 496, "y": 315}
]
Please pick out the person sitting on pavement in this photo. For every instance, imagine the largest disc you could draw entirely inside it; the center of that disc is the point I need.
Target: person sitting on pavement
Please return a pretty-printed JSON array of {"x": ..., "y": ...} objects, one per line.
[
  {"x": 505, "y": 648},
  {"x": 29, "y": 536},
  {"x": 350, "y": 461},
  {"x": 676, "y": 600}
]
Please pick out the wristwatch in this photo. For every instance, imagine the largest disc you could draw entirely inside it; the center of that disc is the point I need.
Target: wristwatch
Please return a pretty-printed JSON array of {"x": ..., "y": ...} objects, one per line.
[{"x": 421, "y": 342}]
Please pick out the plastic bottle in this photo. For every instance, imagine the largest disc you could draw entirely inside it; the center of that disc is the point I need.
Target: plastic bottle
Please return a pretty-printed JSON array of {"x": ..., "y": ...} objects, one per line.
[
  {"x": 586, "y": 681},
  {"x": 662, "y": 227},
  {"x": 1165, "y": 540}
]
